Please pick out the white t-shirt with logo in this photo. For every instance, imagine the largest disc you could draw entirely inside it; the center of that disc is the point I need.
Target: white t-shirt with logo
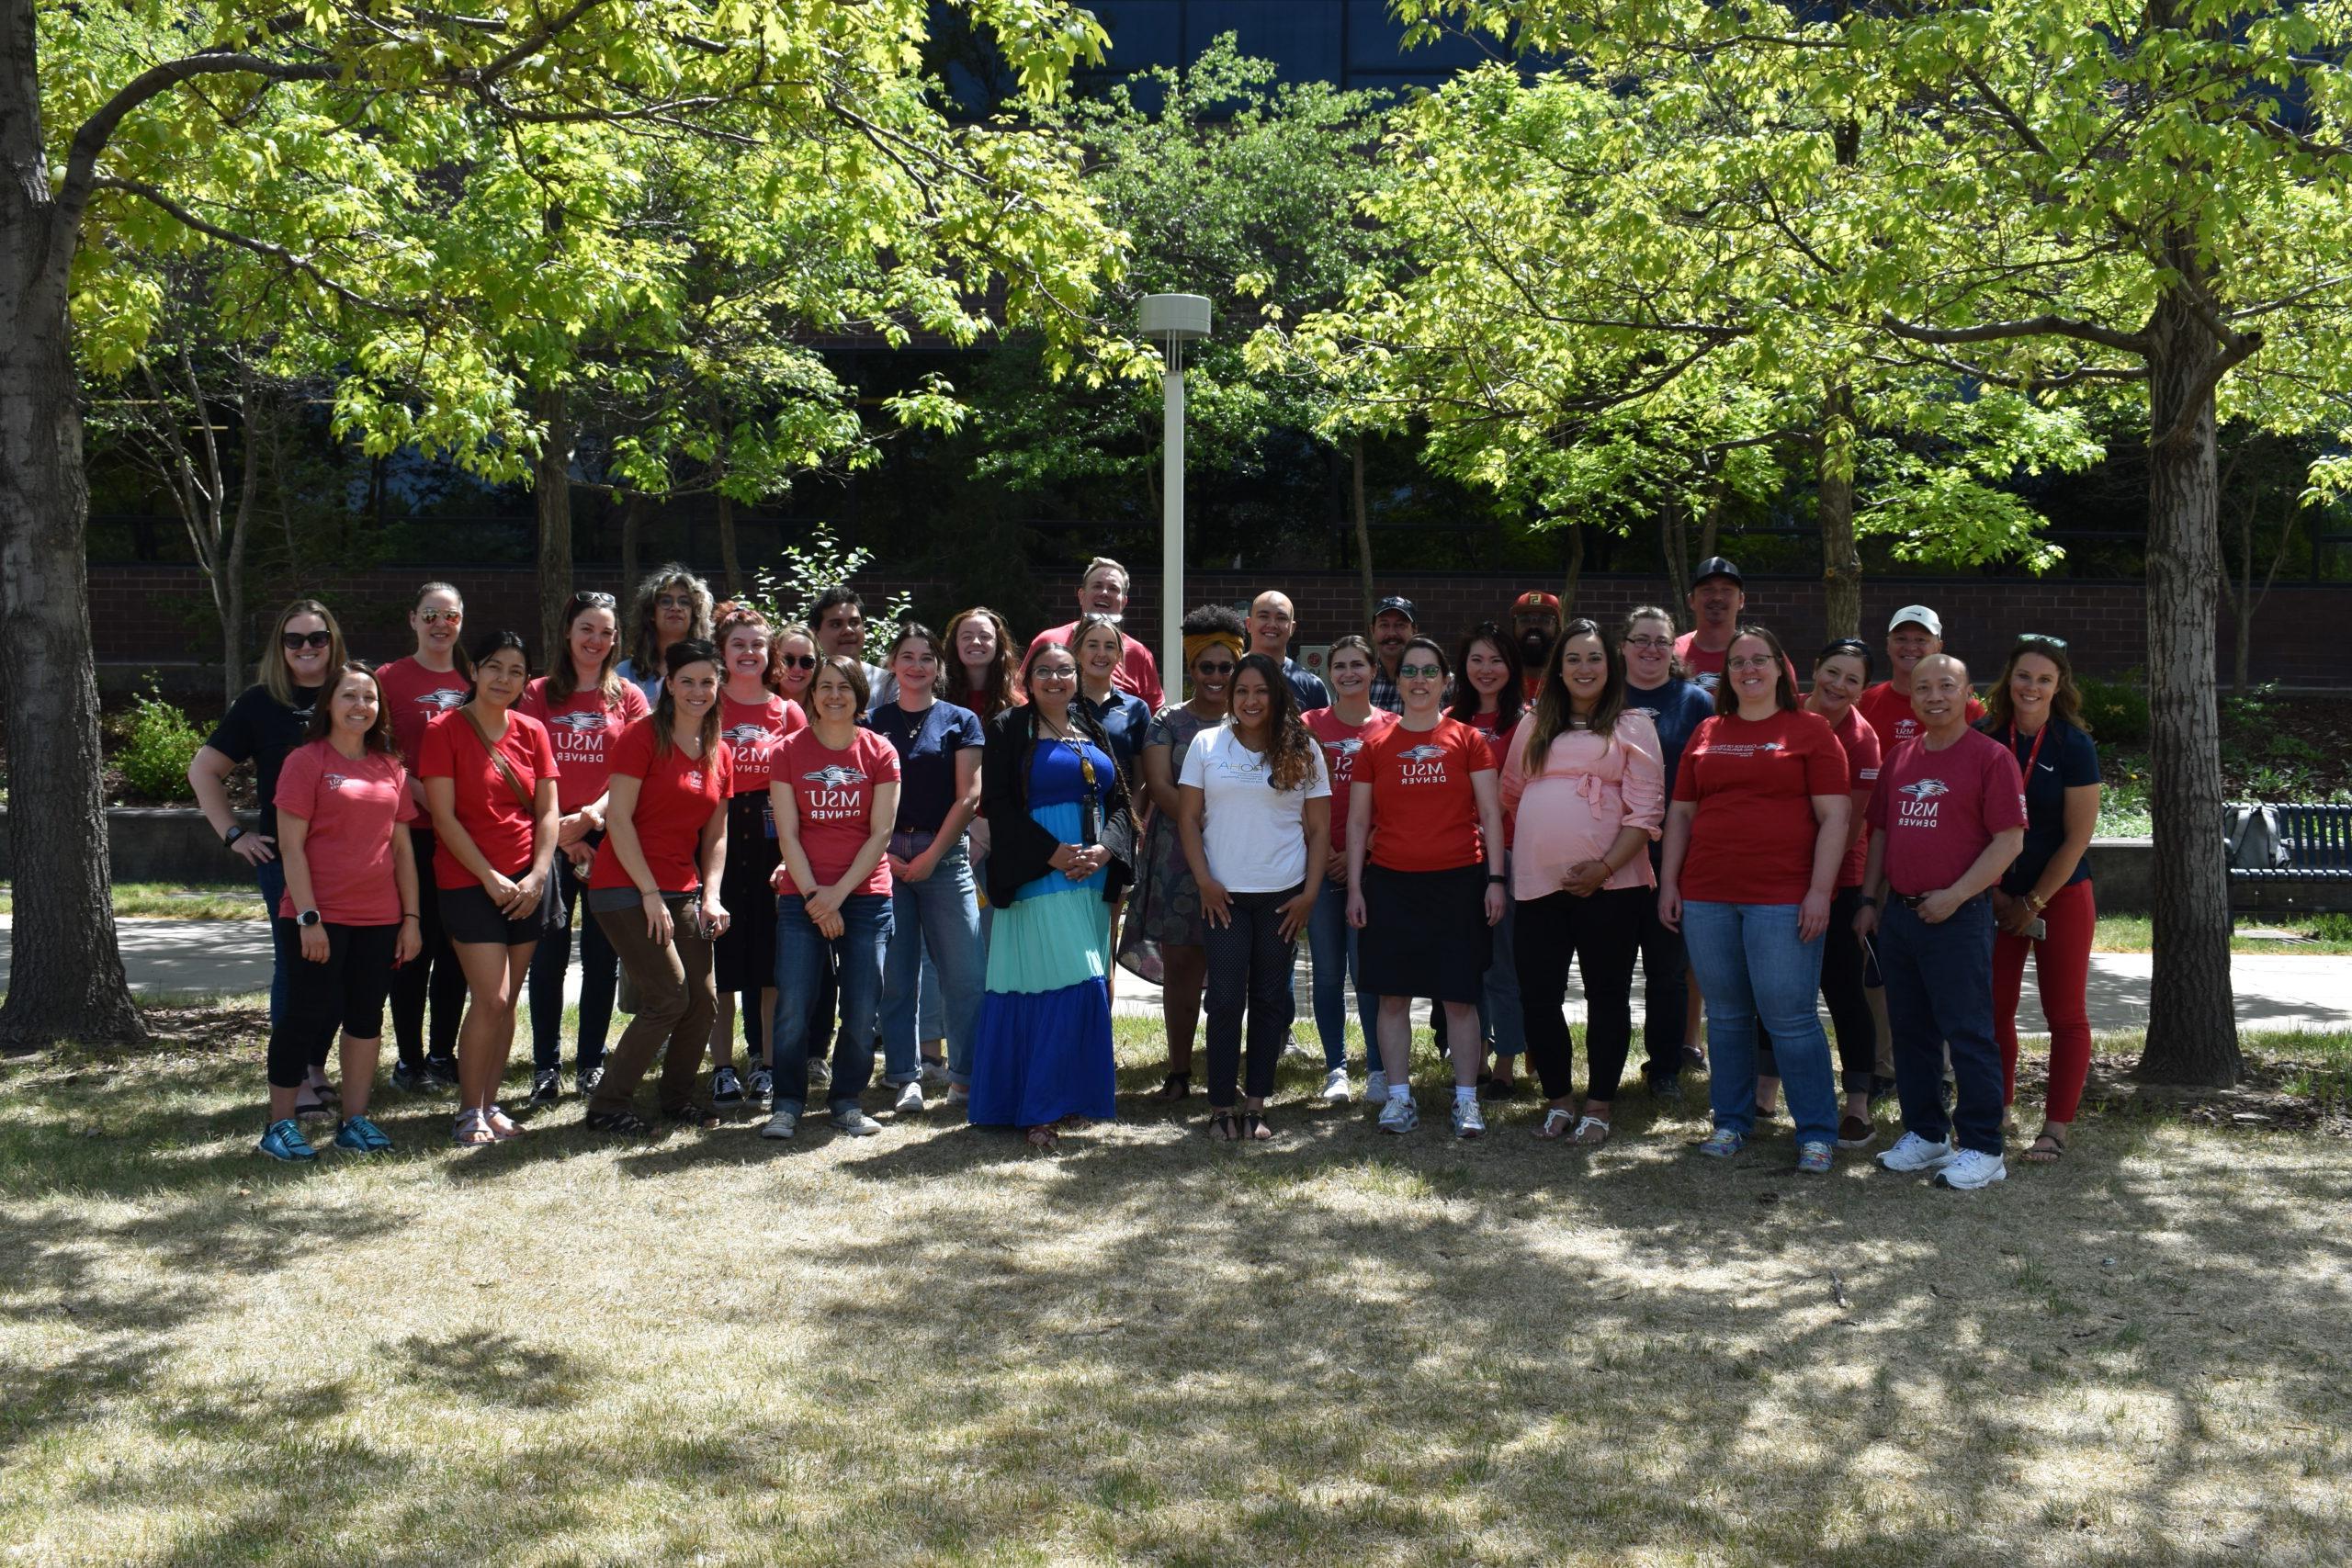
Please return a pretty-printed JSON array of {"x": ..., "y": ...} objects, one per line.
[{"x": 1254, "y": 834}]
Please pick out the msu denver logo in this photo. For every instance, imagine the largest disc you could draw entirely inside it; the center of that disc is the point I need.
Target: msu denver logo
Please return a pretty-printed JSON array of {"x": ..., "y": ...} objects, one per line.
[
  {"x": 746, "y": 734},
  {"x": 1924, "y": 789},
  {"x": 833, "y": 776},
  {"x": 1421, "y": 754},
  {"x": 1346, "y": 747},
  {"x": 441, "y": 699},
  {"x": 580, "y": 721}
]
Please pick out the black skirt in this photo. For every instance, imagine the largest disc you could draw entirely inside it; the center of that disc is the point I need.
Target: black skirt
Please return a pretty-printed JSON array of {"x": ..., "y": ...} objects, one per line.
[
  {"x": 1425, "y": 933},
  {"x": 743, "y": 958}
]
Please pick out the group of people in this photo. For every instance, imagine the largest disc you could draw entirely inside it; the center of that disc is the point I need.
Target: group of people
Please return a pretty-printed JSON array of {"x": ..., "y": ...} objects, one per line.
[{"x": 947, "y": 856}]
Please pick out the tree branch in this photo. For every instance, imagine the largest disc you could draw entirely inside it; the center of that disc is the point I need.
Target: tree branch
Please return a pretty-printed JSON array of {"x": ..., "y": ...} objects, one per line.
[
  {"x": 2032, "y": 326},
  {"x": 262, "y": 248}
]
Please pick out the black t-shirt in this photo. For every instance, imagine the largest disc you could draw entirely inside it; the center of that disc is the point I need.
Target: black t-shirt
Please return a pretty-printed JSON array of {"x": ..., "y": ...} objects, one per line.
[
  {"x": 261, "y": 729},
  {"x": 2067, "y": 758},
  {"x": 927, "y": 743}
]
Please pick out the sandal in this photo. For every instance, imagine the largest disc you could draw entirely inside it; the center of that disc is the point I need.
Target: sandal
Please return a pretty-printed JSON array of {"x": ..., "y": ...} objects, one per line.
[
  {"x": 1043, "y": 1138},
  {"x": 472, "y": 1131},
  {"x": 1555, "y": 1122},
  {"x": 1175, "y": 1086},
  {"x": 1590, "y": 1134},
  {"x": 502, "y": 1126},
  {"x": 1222, "y": 1128},
  {"x": 1254, "y": 1128},
  {"x": 624, "y": 1123},
  {"x": 2047, "y": 1148}
]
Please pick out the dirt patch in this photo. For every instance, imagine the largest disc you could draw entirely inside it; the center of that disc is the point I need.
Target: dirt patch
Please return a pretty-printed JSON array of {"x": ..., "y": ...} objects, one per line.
[{"x": 2278, "y": 1094}]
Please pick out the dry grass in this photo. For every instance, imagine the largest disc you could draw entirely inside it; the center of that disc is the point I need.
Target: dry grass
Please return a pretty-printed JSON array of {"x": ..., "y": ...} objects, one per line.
[{"x": 934, "y": 1347}]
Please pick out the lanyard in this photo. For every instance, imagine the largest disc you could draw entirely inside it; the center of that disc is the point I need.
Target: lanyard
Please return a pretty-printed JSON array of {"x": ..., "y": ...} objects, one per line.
[{"x": 2035, "y": 750}]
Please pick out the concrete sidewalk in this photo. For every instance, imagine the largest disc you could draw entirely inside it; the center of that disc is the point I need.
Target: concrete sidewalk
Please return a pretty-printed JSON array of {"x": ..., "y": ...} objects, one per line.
[{"x": 2274, "y": 991}]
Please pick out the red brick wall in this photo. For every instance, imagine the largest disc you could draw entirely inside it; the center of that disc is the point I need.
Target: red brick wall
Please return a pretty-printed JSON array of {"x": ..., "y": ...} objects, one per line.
[{"x": 140, "y": 613}]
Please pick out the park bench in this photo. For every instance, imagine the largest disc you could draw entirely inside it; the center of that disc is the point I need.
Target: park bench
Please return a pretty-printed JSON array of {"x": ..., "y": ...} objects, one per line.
[{"x": 2289, "y": 857}]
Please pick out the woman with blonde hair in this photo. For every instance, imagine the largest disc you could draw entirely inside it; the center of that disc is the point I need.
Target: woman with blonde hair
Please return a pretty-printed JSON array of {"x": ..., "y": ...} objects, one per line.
[{"x": 671, "y": 603}]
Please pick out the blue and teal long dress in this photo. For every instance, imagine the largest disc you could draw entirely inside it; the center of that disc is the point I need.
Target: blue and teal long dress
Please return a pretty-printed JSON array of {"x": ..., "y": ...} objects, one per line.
[{"x": 1044, "y": 1047}]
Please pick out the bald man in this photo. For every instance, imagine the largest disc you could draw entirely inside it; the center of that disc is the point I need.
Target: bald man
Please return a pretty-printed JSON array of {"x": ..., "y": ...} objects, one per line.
[
  {"x": 1272, "y": 623},
  {"x": 1948, "y": 818}
]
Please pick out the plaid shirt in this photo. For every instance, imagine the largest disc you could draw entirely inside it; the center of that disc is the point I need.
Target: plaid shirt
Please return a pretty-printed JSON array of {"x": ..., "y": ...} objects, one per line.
[{"x": 1385, "y": 695}]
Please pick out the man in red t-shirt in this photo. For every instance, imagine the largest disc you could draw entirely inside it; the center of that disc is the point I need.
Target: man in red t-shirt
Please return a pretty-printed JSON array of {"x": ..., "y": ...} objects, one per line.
[
  {"x": 1718, "y": 600},
  {"x": 1914, "y": 634},
  {"x": 1948, "y": 816},
  {"x": 1103, "y": 591}
]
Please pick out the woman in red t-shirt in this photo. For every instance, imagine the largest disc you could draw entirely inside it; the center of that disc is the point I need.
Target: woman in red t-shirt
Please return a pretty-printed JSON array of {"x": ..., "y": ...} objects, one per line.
[
  {"x": 834, "y": 789},
  {"x": 655, "y": 886},
  {"x": 417, "y": 690},
  {"x": 344, "y": 812},
  {"x": 1343, "y": 731},
  {"x": 490, "y": 779},
  {"x": 586, "y": 705},
  {"x": 1490, "y": 699},
  {"x": 792, "y": 664},
  {"x": 753, "y": 720},
  {"x": 1425, "y": 879},
  {"x": 1754, "y": 841}
]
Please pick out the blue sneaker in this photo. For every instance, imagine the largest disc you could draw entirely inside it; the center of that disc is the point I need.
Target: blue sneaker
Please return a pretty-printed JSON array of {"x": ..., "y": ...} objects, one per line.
[
  {"x": 1723, "y": 1143},
  {"x": 285, "y": 1141},
  {"x": 358, "y": 1135}
]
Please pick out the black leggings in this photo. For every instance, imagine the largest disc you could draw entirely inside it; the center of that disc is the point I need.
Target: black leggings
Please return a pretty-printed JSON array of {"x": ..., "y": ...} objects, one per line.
[
  {"x": 433, "y": 974},
  {"x": 1665, "y": 986},
  {"x": 1603, "y": 930},
  {"x": 1842, "y": 962},
  {"x": 346, "y": 992},
  {"x": 1249, "y": 969},
  {"x": 599, "y": 976}
]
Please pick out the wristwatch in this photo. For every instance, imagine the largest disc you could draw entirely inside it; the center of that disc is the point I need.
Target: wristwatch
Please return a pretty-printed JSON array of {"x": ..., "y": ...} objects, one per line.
[
  {"x": 1868, "y": 902},
  {"x": 236, "y": 830},
  {"x": 307, "y": 919}
]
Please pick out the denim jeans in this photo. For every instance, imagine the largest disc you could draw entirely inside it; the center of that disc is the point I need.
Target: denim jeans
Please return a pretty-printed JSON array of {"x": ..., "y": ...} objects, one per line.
[
  {"x": 801, "y": 966},
  {"x": 1939, "y": 993},
  {"x": 600, "y": 969},
  {"x": 935, "y": 926},
  {"x": 286, "y": 944},
  {"x": 1331, "y": 946},
  {"x": 1755, "y": 972}
]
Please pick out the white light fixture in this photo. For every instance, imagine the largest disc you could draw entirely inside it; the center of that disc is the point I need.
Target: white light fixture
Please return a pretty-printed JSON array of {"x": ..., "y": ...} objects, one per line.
[{"x": 1173, "y": 320}]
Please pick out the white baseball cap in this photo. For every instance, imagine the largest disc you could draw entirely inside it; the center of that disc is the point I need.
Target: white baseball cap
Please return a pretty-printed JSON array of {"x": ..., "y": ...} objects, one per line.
[{"x": 1920, "y": 613}]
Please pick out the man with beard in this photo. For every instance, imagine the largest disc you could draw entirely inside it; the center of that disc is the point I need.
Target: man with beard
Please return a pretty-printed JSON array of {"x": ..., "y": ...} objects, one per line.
[
  {"x": 1393, "y": 625},
  {"x": 1535, "y": 621}
]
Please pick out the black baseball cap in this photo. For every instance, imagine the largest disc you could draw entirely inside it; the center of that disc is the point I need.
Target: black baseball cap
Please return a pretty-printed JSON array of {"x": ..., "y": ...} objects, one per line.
[
  {"x": 1715, "y": 565},
  {"x": 1399, "y": 605}
]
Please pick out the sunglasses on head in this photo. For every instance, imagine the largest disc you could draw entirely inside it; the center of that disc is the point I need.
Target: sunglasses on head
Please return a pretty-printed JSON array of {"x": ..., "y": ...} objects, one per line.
[
  {"x": 294, "y": 640},
  {"x": 1852, "y": 644},
  {"x": 593, "y": 600},
  {"x": 2041, "y": 639}
]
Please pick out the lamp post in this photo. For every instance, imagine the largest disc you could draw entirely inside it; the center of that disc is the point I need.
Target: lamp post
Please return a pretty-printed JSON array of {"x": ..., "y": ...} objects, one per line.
[{"x": 1174, "y": 320}]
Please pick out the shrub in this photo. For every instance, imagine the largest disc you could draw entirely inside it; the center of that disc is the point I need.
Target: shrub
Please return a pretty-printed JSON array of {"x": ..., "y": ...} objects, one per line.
[
  {"x": 2117, "y": 711},
  {"x": 159, "y": 743}
]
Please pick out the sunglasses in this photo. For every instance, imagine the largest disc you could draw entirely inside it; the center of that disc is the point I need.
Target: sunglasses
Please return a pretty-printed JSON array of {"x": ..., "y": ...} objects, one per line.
[
  {"x": 296, "y": 641},
  {"x": 796, "y": 660},
  {"x": 1419, "y": 672},
  {"x": 2041, "y": 639},
  {"x": 1853, "y": 645},
  {"x": 673, "y": 602},
  {"x": 593, "y": 600},
  {"x": 1225, "y": 669},
  {"x": 435, "y": 617}
]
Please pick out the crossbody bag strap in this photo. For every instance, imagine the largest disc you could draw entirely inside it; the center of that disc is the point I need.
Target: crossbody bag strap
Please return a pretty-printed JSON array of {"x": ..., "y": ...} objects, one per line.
[{"x": 497, "y": 758}]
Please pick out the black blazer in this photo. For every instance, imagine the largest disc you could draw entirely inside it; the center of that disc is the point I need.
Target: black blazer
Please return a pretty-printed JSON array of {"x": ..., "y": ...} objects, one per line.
[{"x": 1020, "y": 851}]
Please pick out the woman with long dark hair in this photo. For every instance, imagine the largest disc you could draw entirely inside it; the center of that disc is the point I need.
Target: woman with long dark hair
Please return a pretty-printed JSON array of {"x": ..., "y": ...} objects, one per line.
[
  {"x": 671, "y": 603},
  {"x": 263, "y": 725},
  {"x": 344, "y": 812},
  {"x": 1255, "y": 816},
  {"x": 1584, "y": 788},
  {"x": 754, "y": 720},
  {"x": 490, "y": 781},
  {"x": 1064, "y": 843},
  {"x": 1490, "y": 697},
  {"x": 1426, "y": 884},
  {"x": 2043, "y": 904},
  {"x": 417, "y": 690},
  {"x": 585, "y": 706},
  {"x": 1754, "y": 841},
  {"x": 655, "y": 888}
]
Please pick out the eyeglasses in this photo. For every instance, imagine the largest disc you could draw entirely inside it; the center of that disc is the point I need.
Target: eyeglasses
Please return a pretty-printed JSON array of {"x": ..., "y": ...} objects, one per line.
[
  {"x": 1651, "y": 644},
  {"x": 2041, "y": 639},
  {"x": 1418, "y": 672},
  {"x": 296, "y": 641},
  {"x": 1057, "y": 674},
  {"x": 435, "y": 617},
  {"x": 1758, "y": 662},
  {"x": 674, "y": 600},
  {"x": 796, "y": 660},
  {"x": 588, "y": 602}
]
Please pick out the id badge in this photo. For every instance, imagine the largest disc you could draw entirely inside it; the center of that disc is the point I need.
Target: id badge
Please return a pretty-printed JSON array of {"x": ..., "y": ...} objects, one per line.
[{"x": 767, "y": 816}]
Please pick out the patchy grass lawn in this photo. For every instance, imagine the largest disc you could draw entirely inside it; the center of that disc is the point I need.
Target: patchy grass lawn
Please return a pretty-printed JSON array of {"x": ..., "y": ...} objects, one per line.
[
  {"x": 2315, "y": 935},
  {"x": 172, "y": 901},
  {"x": 936, "y": 1347}
]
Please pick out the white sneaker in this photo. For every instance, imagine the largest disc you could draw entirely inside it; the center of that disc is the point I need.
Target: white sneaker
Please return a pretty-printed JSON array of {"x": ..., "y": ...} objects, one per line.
[
  {"x": 909, "y": 1100},
  {"x": 1468, "y": 1122},
  {"x": 783, "y": 1124},
  {"x": 934, "y": 1074},
  {"x": 1375, "y": 1086},
  {"x": 957, "y": 1095},
  {"x": 1335, "y": 1087},
  {"x": 1399, "y": 1116},
  {"x": 1913, "y": 1153},
  {"x": 1971, "y": 1169}
]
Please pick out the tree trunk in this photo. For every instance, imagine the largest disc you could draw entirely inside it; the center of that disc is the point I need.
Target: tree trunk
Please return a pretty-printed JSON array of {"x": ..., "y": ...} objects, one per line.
[
  {"x": 2192, "y": 1016},
  {"x": 727, "y": 561},
  {"x": 632, "y": 531},
  {"x": 1709, "y": 526},
  {"x": 1841, "y": 559},
  {"x": 232, "y": 597},
  {"x": 1364, "y": 525},
  {"x": 1571, "y": 574},
  {"x": 65, "y": 979},
  {"x": 1674, "y": 549},
  {"x": 551, "y": 477}
]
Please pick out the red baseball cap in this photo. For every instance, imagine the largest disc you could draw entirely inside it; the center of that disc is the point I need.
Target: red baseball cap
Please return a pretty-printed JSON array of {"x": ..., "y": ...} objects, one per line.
[{"x": 1533, "y": 600}]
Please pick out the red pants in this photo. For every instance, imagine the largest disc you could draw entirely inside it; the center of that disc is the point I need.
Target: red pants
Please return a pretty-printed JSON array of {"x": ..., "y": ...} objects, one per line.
[{"x": 2061, "y": 968}]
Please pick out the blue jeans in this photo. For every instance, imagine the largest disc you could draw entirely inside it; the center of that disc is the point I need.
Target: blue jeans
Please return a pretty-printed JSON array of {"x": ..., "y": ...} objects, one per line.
[
  {"x": 1755, "y": 972},
  {"x": 285, "y": 940},
  {"x": 1939, "y": 993},
  {"x": 935, "y": 926},
  {"x": 801, "y": 965},
  {"x": 1331, "y": 947}
]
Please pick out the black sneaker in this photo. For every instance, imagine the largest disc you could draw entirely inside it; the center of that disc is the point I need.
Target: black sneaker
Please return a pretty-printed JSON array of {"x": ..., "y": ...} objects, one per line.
[
  {"x": 1693, "y": 1059},
  {"x": 441, "y": 1072},
  {"x": 546, "y": 1088},
  {"x": 409, "y": 1078},
  {"x": 726, "y": 1088},
  {"x": 588, "y": 1081},
  {"x": 1664, "y": 1085}
]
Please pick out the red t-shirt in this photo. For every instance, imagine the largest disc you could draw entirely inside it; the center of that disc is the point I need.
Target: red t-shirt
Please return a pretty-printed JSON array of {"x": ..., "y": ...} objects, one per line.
[
  {"x": 675, "y": 796},
  {"x": 351, "y": 808},
  {"x": 1424, "y": 812},
  {"x": 833, "y": 801},
  {"x": 1752, "y": 840},
  {"x": 499, "y": 824},
  {"x": 417, "y": 696},
  {"x": 752, "y": 731},
  {"x": 1498, "y": 740},
  {"x": 1938, "y": 809},
  {"x": 1136, "y": 672},
  {"x": 1861, "y": 743},
  {"x": 1889, "y": 713},
  {"x": 582, "y": 727},
  {"x": 1342, "y": 745}
]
